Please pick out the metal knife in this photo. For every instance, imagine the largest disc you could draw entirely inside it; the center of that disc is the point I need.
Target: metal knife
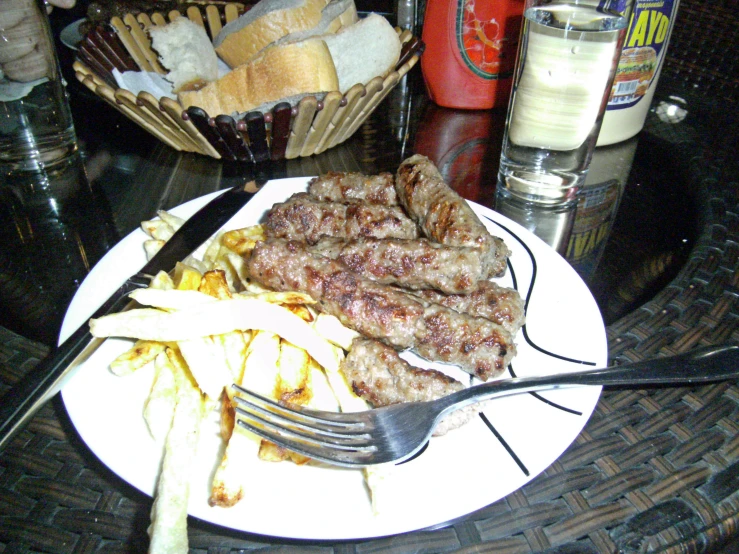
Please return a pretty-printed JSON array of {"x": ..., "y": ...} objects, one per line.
[{"x": 21, "y": 402}]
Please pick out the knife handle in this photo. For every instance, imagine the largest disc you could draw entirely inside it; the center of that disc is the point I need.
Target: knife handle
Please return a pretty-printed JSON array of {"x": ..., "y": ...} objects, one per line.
[{"x": 37, "y": 386}]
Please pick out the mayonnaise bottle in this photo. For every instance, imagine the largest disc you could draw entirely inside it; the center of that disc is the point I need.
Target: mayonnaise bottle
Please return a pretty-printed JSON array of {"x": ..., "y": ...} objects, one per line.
[{"x": 639, "y": 68}]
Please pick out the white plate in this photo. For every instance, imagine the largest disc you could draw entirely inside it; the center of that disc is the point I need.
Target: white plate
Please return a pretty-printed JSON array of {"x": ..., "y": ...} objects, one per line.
[
  {"x": 461, "y": 472},
  {"x": 70, "y": 35}
]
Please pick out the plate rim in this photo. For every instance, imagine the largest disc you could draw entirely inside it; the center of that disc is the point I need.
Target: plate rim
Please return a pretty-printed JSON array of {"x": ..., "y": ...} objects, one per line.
[{"x": 70, "y": 30}]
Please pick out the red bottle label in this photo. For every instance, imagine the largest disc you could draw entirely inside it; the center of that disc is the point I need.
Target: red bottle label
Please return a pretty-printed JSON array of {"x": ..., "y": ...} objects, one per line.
[{"x": 487, "y": 36}]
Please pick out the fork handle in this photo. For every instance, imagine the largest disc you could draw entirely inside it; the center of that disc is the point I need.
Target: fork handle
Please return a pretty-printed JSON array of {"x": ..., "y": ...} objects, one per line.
[{"x": 700, "y": 365}]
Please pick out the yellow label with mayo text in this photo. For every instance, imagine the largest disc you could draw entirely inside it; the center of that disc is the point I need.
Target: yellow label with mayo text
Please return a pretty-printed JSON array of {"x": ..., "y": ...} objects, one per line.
[{"x": 643, "y": 51}]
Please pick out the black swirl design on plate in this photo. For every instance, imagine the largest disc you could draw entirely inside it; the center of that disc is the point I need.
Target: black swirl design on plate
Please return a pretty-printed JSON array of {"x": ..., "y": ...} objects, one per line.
[{"x": 530, "y": 342}]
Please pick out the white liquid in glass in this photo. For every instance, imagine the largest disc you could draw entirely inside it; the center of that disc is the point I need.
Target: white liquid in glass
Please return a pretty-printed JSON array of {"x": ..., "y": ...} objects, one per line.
[{"x": 569, "y": 54}]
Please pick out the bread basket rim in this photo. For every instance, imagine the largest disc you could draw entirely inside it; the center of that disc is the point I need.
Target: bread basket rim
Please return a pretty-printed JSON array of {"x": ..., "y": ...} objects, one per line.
[{"x": 101, "y": 82}]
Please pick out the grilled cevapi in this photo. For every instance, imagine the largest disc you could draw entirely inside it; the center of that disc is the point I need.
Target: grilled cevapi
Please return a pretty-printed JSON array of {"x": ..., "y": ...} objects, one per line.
[
  {"x": 336, "y": 186},
  {"x": 304, "y": 218},
  {"x": 500, "y": 304},
  {"x": 443, "y": 215},
  {"x": 393, "y": 316},
  {"x": 410, "y": 263},
  {"x": 381, "y": 377}
]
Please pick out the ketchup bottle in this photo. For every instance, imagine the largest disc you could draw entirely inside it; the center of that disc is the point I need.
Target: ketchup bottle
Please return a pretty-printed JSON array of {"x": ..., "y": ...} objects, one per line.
[{"x": 470, "y": 51}]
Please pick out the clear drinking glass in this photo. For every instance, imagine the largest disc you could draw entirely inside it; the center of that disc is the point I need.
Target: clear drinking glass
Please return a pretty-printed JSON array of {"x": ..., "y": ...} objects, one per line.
[
  {"x": 567, "y": 59},
  {"x": 36, "y": 128}
]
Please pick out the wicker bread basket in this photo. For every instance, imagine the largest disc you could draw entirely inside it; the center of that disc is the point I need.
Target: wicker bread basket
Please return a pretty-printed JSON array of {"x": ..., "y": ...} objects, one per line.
[{"x": 284, "y": 132}]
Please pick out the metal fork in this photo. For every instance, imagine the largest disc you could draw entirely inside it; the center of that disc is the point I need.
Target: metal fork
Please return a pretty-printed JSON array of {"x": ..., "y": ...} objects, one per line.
[{"x": 395, "y": 433}]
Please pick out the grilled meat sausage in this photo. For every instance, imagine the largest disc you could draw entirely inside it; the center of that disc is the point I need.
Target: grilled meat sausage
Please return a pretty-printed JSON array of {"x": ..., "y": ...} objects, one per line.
[
  {"x": 410, "y": 263},
  {"x": 302, "y": 217},
  {"x": 337, "y": 186},
  {"x": 399, "y": 319},
  {"x": 502, "y": 305},
  {"x": 443, "y": 215},
  {"x": 381, "y": 377}
]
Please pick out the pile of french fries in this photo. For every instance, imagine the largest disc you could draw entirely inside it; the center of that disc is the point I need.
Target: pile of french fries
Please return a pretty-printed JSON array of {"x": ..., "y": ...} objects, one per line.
[{"x": 204, "y": 327}]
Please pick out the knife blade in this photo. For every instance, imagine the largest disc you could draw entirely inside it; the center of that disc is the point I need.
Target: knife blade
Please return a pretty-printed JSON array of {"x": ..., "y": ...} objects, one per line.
[{"x": 22, "y": 401}]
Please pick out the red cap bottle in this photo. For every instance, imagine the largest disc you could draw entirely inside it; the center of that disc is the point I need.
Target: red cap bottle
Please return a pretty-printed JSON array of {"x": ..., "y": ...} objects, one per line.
[{"x": 470, "y": 51}]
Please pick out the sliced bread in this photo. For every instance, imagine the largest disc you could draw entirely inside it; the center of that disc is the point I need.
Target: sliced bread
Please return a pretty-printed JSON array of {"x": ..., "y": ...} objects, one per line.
[
  {"x": 335, "y": 16},
  {"x": 362, "y": 51},
  {"x": 186, "y": 51},
  {"x": 268, "y": 21},
  {"x": 291, "y": 70}
]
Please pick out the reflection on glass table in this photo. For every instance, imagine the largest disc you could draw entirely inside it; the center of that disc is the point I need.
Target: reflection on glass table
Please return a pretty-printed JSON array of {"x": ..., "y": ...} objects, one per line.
[{"x": 54, "y": 227}]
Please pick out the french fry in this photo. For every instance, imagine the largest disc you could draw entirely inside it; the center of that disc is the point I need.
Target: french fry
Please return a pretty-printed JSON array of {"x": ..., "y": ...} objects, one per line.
[
  {"x": 323, "y": 397},
  {"x": 207, "y": 362},
  {"x": 260, "y": 376},
  {"x": 230, "y": 480},
  {"x": 345, "y": 396},
  {"x": 170, "y": 300},
  {"x": 168, "y": 529},
  {"x": 157, "y": 229},
  {"x": 331, "y": 329},
  {"x": 160, "y": 404},
  {"x": 301, "y": 311},
  {"x": 228, "y": 416},
  {"x": 141, "y": 353},
  {"x": 234, "y": 346},
  {"x": 151, "y": 247},
  {"x": 374, "y": 476},
  {"x": 243, "y": 240},
  {"x": 283, "y": 298},
  {"x": 293, "y": 386},
  {"x": 162, "y": 281},
  {"x": 212, "y": 250},
  {"x": 173, "y": 221},
  {"x": 255, "y": 288},
  {"x": 293, "y": 375},
  {"x": 260, "y": 371},
  {"x": 196, "y": 263},
  {"x": 214, "y": 284},
  {"x": 186, "y": 277},
  {"x": 270, "y": 452},
  {"x": 216, "y": 318},
  {"x": 235, "y": 268}
]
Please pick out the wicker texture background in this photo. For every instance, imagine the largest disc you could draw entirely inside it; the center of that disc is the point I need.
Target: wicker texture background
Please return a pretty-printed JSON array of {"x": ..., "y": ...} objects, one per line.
[{"x": 654, "y": 470}]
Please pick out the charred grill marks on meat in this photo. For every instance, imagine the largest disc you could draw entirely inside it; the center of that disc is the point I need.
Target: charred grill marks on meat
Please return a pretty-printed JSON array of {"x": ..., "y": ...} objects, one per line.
[
  {"x": 386, "y": 313},
  {"x": 413, "y": 264},
  {"x": 353, "y": 243},
  {"x": 502, "y": 305},
  {"x": 381, "y": 377},
  {"x": 352, "y": 187},
  {"x": 304, "y": 218},
  {"x": 367, "y": 307},
  {"x": 443, "y": 215}
]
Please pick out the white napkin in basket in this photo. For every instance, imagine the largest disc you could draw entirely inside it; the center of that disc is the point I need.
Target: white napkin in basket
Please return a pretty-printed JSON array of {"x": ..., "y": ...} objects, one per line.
[
  {"x": 154, "y": 83},
  {"x": 149, "y": 81}
]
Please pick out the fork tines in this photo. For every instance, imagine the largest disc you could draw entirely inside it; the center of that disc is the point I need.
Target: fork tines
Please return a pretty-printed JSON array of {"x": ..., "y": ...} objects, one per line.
[{"x": 308, "y": 432}]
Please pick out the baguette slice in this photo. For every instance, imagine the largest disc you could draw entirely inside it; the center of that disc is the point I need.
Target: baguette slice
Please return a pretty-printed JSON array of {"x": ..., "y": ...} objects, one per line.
[
  {"x": 286, "y": 71},
  {"x": 268, "y": 21},
  {"x": 335, "y": 16},
  {"x": 362, "y": 51},
  {"x": 186, "y": 51}
]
